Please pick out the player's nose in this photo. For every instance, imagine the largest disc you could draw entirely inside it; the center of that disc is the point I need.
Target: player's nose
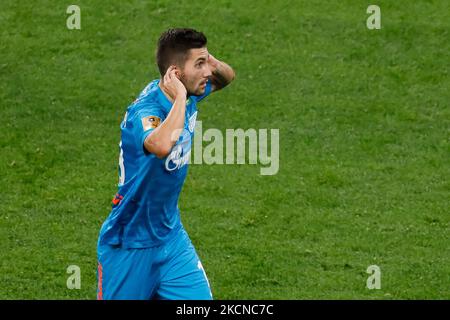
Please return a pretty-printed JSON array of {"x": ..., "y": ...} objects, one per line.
[{"x": 207, "y": 73}]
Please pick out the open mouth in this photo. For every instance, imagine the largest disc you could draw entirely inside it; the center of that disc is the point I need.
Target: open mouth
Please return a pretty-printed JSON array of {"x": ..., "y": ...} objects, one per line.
[{"x": 203, "y": 84}]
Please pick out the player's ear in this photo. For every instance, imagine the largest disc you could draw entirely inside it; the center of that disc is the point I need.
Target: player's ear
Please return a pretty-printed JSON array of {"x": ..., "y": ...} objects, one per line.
[{"x": 178, "y": 72}]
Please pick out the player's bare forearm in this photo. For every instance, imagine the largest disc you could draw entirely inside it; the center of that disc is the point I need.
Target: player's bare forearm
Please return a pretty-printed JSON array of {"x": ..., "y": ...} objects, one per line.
[
  {"x": 163, "y": 137},
  {"x": 222, "y": 73}
]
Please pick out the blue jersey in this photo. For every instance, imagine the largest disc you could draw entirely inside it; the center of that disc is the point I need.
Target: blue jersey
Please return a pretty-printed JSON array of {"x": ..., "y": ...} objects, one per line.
[{"x": 145, "y": 209}]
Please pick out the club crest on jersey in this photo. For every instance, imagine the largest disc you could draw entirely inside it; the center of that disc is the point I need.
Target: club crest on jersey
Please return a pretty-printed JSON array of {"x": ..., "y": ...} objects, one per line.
[
  {"x": 192, "y": 120},
  {"x": 181, "y": 152},
  {"x": 150, "y": 122}
]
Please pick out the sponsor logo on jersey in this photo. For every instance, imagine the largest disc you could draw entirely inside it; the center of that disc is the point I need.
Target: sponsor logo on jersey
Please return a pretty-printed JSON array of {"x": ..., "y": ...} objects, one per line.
[
  {"x": 192, "y": 120},
  {"x": 181, "y": 152}
]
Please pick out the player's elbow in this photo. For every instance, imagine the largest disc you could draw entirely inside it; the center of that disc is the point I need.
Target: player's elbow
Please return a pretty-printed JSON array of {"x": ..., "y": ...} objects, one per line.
[
  {"x": 230, "y": 77},
  {"x": 163, "y": 152},
  {"x": 233, "y": 75},
  {"x": 160, "y": 150}
]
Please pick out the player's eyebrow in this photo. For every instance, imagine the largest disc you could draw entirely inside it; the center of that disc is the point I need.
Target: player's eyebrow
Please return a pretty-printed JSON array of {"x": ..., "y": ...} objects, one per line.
[{"x": 200, "y": 58}]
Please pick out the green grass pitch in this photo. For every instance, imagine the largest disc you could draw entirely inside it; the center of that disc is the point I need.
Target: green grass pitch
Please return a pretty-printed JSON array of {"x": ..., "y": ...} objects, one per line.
[{"x": 364, "y": 124}]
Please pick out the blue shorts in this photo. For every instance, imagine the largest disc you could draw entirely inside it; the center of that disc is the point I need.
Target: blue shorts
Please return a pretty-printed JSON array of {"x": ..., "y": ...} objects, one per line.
[{"x": 170, "y": 271}]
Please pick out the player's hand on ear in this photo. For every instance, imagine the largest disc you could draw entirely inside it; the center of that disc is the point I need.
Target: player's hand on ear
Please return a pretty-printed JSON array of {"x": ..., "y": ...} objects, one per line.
[
  {"x": 213, "y": 62},
  {"x": 172, "y": 83}
]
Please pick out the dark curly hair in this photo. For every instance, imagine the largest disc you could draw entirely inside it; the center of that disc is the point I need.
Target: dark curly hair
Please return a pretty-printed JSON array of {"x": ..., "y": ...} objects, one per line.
[{"x": 174, "y": 45}]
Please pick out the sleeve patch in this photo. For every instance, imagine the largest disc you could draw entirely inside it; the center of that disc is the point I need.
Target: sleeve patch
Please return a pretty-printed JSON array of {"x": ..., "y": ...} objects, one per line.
[{"x": 150, "y": 122}]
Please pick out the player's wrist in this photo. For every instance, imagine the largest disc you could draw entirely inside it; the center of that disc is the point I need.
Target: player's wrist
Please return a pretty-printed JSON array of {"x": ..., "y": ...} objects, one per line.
[{"x": 181, "y": 96}]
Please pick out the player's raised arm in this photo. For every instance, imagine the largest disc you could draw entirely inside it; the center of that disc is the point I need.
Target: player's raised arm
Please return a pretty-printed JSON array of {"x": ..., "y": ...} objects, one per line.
[
  {"x": 163, "y": 138},
  {"x": 222, "y": 73}
]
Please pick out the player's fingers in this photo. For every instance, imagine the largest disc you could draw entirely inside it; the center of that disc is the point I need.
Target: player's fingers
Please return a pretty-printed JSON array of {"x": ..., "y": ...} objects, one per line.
[
  {"x": 167, "y": 76},
  {"x": 172, "y": 71},
  {"x": 173, "y": 74},
  {"x": 169, "y": 70}
]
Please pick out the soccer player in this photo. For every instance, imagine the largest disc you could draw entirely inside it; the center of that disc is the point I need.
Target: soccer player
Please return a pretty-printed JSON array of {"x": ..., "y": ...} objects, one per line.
[{"x": 144, "y": 251}]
